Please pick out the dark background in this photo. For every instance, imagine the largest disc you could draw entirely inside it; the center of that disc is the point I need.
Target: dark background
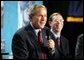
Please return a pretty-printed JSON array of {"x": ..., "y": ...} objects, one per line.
[{"x": 71, "y": 30}]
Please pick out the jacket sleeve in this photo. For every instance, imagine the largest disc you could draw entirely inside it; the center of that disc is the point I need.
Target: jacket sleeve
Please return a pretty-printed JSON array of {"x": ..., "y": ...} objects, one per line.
[
  {"x": 19, "y": 47},
  {"x": 79, "y": 48}
]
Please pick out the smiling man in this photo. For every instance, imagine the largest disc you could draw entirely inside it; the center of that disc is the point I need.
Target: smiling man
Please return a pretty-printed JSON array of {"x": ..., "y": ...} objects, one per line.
[
  {"x": 56, "y": 23},
  {"x": 30, "y": 41}
]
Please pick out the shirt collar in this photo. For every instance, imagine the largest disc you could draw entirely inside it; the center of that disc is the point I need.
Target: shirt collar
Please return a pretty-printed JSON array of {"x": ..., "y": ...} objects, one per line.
[
  {"x": 55, "y": 34},
  {"x": 36, "y": 30}
]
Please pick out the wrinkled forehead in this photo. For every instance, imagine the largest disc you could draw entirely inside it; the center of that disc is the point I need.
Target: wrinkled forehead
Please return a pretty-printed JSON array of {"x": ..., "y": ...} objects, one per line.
[{"x": 57, "y": 18}]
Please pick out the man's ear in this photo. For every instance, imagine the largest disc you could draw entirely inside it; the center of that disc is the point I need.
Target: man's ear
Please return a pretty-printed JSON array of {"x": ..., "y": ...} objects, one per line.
[
  {"x": 30, "y": 17},
  {"x": 63, "y": 25}
]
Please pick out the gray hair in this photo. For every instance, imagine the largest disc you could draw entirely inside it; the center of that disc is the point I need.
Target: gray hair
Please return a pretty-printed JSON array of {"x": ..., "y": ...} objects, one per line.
[
  {"x": 32, "y": 10},
  {"x": 54, "y": 14}
]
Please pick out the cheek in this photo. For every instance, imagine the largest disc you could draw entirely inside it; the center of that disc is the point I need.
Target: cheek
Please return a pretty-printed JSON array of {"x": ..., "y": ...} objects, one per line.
[
  {"x": 61, "y": 24},
  {"x": 53, "y": 25},
  {"x": 45, "y": 18},
  {"x": 35, "y": 20}
]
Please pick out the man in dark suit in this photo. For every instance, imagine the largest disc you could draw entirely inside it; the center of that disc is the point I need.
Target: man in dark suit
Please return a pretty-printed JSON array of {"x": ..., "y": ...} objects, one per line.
[
  {"x": 56, "y": 23},
  {"x": 25, "y": 43},
  {"x": 79, "y": 47}
]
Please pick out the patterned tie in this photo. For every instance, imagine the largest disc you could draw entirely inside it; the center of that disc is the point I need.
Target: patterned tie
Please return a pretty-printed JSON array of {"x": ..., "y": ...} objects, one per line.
[
  {"x": 58, "y": 38},
  {"x": 40, "y": 41}
]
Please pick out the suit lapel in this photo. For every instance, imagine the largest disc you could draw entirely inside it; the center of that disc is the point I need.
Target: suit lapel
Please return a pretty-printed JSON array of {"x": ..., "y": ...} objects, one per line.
[
  {"x": 63, "y": 43},
  {"x": 56, "y": 44},
  {"x": 33, "y": 39},
  {"x": 53, "y": 37},
  {"x": 44, "y": 37}
]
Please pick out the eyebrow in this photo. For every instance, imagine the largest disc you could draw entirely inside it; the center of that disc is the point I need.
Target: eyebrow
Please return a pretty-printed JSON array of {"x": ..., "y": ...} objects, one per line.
[{"x": 59, "y": 19}]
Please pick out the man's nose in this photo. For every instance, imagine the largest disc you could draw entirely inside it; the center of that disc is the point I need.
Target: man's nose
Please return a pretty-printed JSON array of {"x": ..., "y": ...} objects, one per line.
[{"x": 42, "y": 18}]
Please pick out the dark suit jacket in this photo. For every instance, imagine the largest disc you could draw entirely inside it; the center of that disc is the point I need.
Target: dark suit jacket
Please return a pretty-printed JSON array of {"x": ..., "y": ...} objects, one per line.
[
  {"x": 79, "y": 47},
  {"x": 63, "y": 52},
  {"x": 25, "y": 45}
]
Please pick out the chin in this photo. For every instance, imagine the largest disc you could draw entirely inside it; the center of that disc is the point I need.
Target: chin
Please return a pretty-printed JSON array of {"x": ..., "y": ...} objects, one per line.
[
  {"x": 57, "y": 30},
  {"x": 41, "y": 27}
]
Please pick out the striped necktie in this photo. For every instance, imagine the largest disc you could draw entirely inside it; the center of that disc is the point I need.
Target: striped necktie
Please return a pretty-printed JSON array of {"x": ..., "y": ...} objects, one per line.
[
  {"x": 42, "y": 55},
  {"x": 58, "y": 39}
]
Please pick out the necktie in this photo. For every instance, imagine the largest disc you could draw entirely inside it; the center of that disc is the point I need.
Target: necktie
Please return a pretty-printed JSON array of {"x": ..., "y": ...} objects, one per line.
[
  {"x": 40, "y": 41},
  {"x": 58, "y": 39}
]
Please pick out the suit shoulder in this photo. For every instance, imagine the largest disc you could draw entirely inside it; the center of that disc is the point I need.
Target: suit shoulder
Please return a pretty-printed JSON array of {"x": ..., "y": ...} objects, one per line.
[
  {"x": 64, "y": 38},
  {"x": 80, "y": 37},
  {"x": 20, "y": 31},
  {"x": 45, "y": 28}
]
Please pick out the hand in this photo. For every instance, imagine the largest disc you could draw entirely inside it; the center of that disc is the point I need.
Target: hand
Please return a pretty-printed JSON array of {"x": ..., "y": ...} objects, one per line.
[{"x": 51, "y": 44}]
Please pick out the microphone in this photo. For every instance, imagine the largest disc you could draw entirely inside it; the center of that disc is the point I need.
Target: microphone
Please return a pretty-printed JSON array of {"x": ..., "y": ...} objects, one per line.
[{"x": 48, "y": 34}]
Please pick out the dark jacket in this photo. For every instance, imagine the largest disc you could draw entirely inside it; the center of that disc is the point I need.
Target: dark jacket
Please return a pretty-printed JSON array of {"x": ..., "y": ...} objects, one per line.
[
  {"x": 63, "y": 51},
  {"x": 79, "y": 47},
  {"x": 25, "y": 45}
]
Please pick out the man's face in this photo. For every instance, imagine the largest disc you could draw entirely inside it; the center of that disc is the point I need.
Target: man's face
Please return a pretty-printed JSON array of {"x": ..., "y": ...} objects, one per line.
[
  {"x": 40, "y": 18},
  {"x": 57, "y": 23}
]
